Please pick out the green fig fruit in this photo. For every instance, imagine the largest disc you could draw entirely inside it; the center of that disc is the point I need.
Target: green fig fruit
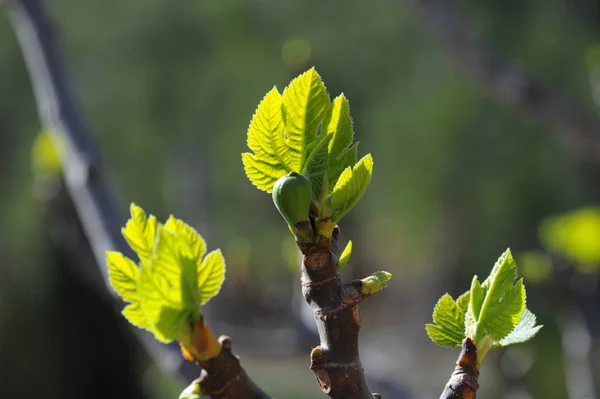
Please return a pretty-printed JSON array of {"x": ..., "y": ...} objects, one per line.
[{"x": 292, "y": 195}]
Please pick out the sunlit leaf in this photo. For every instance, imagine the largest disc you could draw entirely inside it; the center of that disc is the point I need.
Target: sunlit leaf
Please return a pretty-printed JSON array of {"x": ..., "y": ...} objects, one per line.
[
  {"x": 523, "y": 332},
  {"x": 305, "y": 105},
  {"x": 350, "y": 187},
  {"x": 140, "y": 232},
  {"x": 211, "y": 275},
  {"x": 316, "y": 165},
  {"x": 342, "y": 153},
  {"x": 135, "y": 315},
  {"x": 123, "y": 274},
  {"x": 449, "y": 327},
  {"x": 503, "y": 300},
  {"x": 345, "y": 256}
]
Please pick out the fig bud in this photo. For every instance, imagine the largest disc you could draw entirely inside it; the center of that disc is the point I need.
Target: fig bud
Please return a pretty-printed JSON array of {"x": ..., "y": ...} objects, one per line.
[{"x": 292, "y": 195}]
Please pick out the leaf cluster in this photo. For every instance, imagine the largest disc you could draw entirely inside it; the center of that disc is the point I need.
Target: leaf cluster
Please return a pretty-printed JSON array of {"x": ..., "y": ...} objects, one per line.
[
  {"x": 492, "y": 313},
  {"x": 173, "y": 278},
  {"x": 303, "y": 131}
]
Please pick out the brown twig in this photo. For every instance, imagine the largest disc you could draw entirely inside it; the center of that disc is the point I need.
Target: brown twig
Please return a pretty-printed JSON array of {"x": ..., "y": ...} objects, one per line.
[
  {"x": 463, "y": 383},
  {"x": 224, "y": 378},
  {"x": 335, "y": 362},
  {"x": 508, "y": 83}
]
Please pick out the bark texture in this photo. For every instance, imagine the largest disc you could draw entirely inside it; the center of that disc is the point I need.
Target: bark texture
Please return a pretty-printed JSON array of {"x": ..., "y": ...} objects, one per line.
[
  {"x": 224, "y": 378},
  {"x": 463, "y": 383},
  {"x": 335, "y": 362}
]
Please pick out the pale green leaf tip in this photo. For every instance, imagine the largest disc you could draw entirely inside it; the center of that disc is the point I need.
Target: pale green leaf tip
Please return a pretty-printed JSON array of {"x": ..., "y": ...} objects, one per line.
[
  {"x": 375, "y": 282},
  {"x": 345, "y": 256},
  {"x": 193, "y": 391}
]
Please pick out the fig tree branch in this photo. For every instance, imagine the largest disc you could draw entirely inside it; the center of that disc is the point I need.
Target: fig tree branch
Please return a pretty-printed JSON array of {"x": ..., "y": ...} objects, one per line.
[
  {"x": 336, "y": 361},
  {"x": 509, "y": 83},
  {"x": 463, "y": 383}
]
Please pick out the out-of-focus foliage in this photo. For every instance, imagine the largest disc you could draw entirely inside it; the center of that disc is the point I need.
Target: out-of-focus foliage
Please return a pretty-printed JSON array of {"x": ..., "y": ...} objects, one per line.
[
  {"x": 576, "y": 235},
  {"x": 535, "y": 266},
  {"x": 45, "y": 154}
]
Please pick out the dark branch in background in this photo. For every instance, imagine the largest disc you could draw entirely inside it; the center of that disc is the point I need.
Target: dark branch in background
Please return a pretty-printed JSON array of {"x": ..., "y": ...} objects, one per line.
[
  {"x": 335, "y": 362},
  {"x": 508, "y": 83},
  {"x": 84, "y": 177}
]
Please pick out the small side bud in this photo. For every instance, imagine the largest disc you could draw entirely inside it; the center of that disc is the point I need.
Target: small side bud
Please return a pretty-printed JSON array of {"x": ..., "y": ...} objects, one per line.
[{"x": 375, "y": 282}]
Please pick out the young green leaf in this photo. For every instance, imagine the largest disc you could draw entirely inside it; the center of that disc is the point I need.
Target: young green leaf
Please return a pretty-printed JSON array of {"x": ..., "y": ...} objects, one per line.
[
  {"x": 350, "y": 187},
  {"x": 449, "y": 327},
  {"x": 464, "y": 300},
  {"x": 271, "y": 158},
  {"x": 305, "y": 104},
  {"x": 523, "y": 332},
  {"x": 136, "y": 316},
  {"x": 172, "y": 261},
  {"x": 316, "y": 165},
  {"x": 193, "y": 391},
  {"x": 345, "y": 256},
  {"x": 504, "y": 300},
  {"x": 174, "y": 277},
  {"x": 140, "y": 232},
  {"x": 211, "y": 275},
  {"x": 342, "y": 153},
  {"x": 337, "y": 165},
  {"x": 262, "y": 174},
  {"x": 195, "y": 243},
  {"x": 477, "y": 298},
  {"x": 123, "y": 273}
]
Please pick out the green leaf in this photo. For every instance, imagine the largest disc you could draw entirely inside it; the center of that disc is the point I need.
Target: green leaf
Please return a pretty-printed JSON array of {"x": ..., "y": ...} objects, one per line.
[
  {"x": 123, "y": 274},
  {"x": 135, "y": 315},
  {"x": 305, "y": 105},
  {"x": 464, "y": 300},
  {"x": 336, "y": 166},
  {"x": 161, "y": 302},
  {"x": 523, "y": 332},
  {"x": 266, "y": 130},
  {"x": 338, "y": 123},
  {"x": 140, "y": 233},
  {"x": 504, "y": 300},
  {"x": 449, "y": 327},
  {"x": 174, "y": 279},
  {"x": 211, "y": 275},
  {"x": 271, "y": 158},
  {"x": 477, "y": 297},
  {"x": 350, "y": 187},
  {"x": 193, "y": 391},
  {"x": 262, "y": 174},
  {"x": 316, "y": 165},
  {"x": 196, "y": 244},
  {"x": 173, "y": 261},
  {"x": 345, "y": 256}
]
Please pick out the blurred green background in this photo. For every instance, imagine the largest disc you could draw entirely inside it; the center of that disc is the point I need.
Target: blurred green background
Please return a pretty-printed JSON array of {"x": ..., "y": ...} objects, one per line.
[{"x": 168, "y": 89}]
